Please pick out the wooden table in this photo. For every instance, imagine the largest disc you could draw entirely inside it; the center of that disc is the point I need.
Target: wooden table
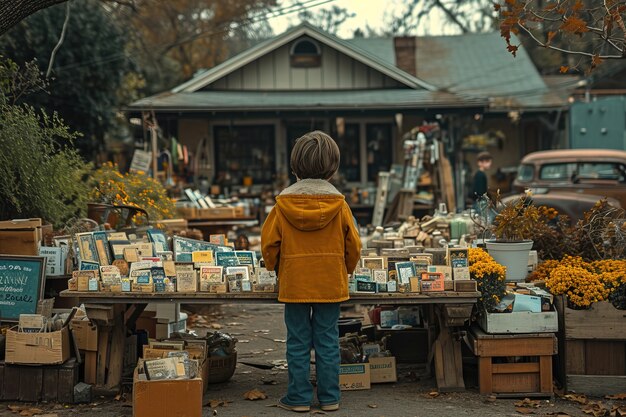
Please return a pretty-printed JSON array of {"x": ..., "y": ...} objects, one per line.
[{"x": 116, "y": 312}]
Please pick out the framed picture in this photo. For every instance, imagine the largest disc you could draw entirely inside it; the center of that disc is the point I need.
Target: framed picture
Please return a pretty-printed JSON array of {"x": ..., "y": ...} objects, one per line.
[
  {"x": 373, "y": 263},
  {"x": 87, "y": 247},
  {"x": 379, "y": 276},
  {"x": 102, "y": 248},
  {"x": 21, "y": 284},
  {"x": 159, "y": 239},
  {"x": 405, "y": 271},
  {"x": 235, "y": 270}
]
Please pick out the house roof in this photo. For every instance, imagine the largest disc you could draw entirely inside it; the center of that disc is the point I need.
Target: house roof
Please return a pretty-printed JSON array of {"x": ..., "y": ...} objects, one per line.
[
  {"x": 312, "y": 100},
  {"x": 453, "y": 71},
  {"x": 477, "y": 65},
  {"x": 304, "y": 29}
]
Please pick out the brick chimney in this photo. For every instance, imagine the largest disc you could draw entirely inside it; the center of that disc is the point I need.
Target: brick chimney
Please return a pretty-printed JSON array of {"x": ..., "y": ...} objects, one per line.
[{"x": 405, "y": 53}]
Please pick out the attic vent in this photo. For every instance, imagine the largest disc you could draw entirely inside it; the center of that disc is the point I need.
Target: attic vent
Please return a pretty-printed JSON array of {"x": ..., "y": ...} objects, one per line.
[{"x": 305, "y": 53}]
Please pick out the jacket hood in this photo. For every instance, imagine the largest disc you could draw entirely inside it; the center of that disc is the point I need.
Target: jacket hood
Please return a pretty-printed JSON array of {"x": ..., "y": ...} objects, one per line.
[{"x": 310, "y": 204}]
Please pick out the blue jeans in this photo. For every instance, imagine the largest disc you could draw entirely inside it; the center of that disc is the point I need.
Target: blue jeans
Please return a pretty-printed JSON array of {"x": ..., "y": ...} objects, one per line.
[{"x": 312, "y": 326}]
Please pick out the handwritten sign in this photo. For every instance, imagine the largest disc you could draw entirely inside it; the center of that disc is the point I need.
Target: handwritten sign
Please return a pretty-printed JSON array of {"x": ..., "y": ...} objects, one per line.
[{"x": 21, "y": 285}]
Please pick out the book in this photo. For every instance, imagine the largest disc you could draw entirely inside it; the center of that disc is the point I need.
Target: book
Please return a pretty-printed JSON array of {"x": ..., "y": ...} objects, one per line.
[
  {"x": 243, "y": 270},
  {"x": 226, "y": 259},
  {"x": 405, "y": 271},
  {"x": 210, "y": 275},
  {"x": 246, "y": 257}
]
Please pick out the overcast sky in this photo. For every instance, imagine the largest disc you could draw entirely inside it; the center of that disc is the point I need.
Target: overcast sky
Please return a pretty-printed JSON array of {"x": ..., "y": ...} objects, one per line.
[{"x": 368, "y": 12}]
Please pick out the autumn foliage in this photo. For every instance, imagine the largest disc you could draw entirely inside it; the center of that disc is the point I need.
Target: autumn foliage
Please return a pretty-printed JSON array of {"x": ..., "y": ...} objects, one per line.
[{"x": 594, "y": 30}]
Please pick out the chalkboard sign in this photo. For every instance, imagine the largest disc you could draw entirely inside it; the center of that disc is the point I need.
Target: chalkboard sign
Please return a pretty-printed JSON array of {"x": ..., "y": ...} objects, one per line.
[{"x": 21, "y": 285}]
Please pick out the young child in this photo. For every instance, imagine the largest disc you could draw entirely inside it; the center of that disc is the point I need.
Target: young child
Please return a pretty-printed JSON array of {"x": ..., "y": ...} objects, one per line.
[{"x": 310, "y": 239}]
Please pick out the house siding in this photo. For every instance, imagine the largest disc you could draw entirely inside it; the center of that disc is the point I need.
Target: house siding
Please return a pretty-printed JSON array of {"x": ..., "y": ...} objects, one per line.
[{"x": 274, "y": 72}]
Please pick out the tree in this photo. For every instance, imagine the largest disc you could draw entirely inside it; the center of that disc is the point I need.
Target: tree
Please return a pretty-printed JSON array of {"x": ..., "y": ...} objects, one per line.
[
  {"x": 42, "y": 176},
  {"x": 329, "y": 20},
  {"x": 589, "y": 30},
  {"x": 91, "y": 67},
  {"x": 12, "y": 12},
  {"x": 175, "y": 39},
  {"x": 464, "y": 16}
]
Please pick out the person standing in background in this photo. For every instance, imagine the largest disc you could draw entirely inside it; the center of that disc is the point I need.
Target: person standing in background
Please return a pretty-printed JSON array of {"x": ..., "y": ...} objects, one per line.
[{"x": 479, "y": 186}]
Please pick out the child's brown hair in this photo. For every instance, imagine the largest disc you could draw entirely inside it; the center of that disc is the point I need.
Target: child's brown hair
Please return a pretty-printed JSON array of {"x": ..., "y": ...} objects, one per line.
[{"x": 315, "y": 155}]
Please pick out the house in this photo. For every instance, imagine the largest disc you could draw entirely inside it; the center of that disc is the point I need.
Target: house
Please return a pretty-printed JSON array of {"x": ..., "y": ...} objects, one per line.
[{"x": 241, "y": 118}]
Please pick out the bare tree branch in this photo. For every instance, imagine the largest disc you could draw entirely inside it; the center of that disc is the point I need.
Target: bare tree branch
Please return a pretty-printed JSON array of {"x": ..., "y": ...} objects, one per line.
[{"x": 61, "y": 39}]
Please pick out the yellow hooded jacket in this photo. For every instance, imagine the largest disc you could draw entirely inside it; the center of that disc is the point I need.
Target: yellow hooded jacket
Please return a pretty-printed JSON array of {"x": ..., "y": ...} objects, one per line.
[{"x": 310, "y": 240}]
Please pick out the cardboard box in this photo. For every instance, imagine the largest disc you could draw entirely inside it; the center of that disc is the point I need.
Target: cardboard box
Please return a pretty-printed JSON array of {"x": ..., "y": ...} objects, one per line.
[
  {"x": 383, "y": 370},
  {"x": 37, "y": 348},
  {"x": 85, "y": 334},
  {"x": 166, "y": 398},
  {"x": 354, "y": 376}
]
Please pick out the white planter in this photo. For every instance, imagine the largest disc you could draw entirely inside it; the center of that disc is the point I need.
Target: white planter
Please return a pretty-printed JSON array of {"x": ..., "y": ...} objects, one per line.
[{"x": 512, "y": 255}]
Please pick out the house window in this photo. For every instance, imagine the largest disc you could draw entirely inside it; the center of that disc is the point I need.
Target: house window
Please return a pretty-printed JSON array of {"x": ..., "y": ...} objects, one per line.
[
  {"x": 305, "y": 53},
  {"x": 242, "y": 151},
  {"x": 349, "y": 146},
  {"x": 378, "y": 145}
]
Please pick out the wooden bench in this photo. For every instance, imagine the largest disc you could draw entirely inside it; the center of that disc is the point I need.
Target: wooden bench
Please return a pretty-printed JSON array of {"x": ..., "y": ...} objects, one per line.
[{"x": 514, "y": 364}]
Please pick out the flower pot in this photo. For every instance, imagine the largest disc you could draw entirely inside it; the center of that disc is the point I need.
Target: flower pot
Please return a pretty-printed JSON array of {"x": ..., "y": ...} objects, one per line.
[{"x": 512, "y": 255}]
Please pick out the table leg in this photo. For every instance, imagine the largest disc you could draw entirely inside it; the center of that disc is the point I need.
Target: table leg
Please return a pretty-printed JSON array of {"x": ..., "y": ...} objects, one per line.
[
  {"x": 448, "y": 358},
  {"x": 485, "y": 374},
  {"x": 116, "y": 360}
]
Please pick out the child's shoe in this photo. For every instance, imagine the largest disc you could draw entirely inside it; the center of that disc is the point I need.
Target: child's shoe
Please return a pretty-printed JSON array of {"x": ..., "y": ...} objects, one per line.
[
  {"x": 330, "y": 407},
  {"x": 296, "y": 408}
]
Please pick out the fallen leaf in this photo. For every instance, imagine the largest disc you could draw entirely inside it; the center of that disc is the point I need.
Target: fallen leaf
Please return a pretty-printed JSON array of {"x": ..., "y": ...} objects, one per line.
[
  {"x": 527, "y": 402},
  {"x": 524, "y": 410},
  {"x": 372, "y": 406},
  {"x": 558, "y": 414},
  {"x": 217, "y": 403},
  {"x": 28, "y": 412},
  {"x": 491, "y": 399},
  {"x": 616, "y": 397},
  {"x": 216, "y": 326},
  {"x": 254, "y": 395},
  {"x": 16, "y": 408},
  {"x": 268, "y": 350},
  {"x": 618, "y": 411},
  {"x": 280, "y": 340},
  {"x": 433, "y": 394},
  {"x": 234, "y": 323},
  {"x": 118, "y": 397},
  {"x": 580, "y": 399},
  {"x": 596, "y": 409}
]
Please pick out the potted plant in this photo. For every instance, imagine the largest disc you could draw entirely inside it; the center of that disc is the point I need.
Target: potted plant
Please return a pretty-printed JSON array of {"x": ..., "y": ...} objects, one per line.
[{"x": 512, "y": 230}]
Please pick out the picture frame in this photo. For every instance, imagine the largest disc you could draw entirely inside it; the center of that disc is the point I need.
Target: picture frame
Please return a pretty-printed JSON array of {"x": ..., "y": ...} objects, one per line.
[
  {"x": 87, "y": 247},
  {"x": 373, "y": 262},
  {"x": 102, "y": 248},
  {"x": 379, "y": 276},
  {"x": 405, "y": 270},
  {"x": 22, "y": 280},
  {"x": 159, "y": 239},
  {"x": 235, "y": 270}
]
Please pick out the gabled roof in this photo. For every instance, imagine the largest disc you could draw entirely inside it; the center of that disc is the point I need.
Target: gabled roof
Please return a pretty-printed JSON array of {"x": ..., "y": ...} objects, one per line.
[
  {"x": 304, "y": 29},
  {"x": 405, "y": 98},
  {"x": 477, "y": 65}
]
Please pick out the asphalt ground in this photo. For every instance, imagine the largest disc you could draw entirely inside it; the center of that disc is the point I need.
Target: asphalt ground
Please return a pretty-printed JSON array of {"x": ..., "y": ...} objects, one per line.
[{"x": 261, "y": 353}]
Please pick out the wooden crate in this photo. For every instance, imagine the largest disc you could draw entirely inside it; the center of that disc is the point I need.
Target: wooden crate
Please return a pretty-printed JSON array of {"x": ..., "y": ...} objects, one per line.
[
  {"x": 39, "y": 383},
  {"x": 530, "y": 378},
  {"x": 593, "y": 348}
]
